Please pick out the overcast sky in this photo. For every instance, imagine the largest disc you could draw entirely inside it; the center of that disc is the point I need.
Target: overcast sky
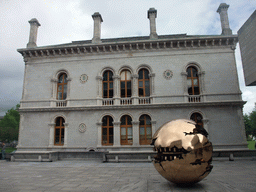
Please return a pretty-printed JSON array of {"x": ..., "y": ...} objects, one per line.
[{"x": 63, "y": 21}]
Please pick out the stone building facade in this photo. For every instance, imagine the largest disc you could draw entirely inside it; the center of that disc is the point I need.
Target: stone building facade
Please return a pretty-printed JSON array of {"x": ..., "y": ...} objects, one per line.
[
  {"x": 113, "y": 94},
  {"x": 247, "y": 42}
]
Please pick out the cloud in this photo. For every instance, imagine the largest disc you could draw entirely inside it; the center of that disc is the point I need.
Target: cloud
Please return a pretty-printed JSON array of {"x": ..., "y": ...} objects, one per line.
[{"x": 63, "y": 21}]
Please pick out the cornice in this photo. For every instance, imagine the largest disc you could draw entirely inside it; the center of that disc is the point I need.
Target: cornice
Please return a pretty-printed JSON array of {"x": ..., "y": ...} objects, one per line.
[
  {"x": 128, "y": 107},
  {"x": 128, "y": 46}
]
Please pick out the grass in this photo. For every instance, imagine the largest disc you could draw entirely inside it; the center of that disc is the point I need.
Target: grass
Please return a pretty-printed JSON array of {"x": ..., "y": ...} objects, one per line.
[
  {"x": 9, "y": 149},
  {"x": 251, "y": 145}
]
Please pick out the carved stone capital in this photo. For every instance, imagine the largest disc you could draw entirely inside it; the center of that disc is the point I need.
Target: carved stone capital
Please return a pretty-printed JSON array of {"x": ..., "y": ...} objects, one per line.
[
  {"x": 99, "y": 124},
  {"x": 54, "y": 80},
  {"x": 135, "y": 122},
  {"x": 205, "y": 121},
  {"x": 152, "y": 75},
  {"x": 99, "y": 78},
  {"x": 184, "y": 73},
  {"x": 116, "y": 77},
  {"x": 135, "y": 76},
  {"x": 116, "y": 123}
]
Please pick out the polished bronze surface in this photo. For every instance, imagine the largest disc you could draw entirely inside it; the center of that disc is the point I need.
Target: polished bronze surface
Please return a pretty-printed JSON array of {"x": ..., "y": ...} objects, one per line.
[{"x": 184, "y": 153}]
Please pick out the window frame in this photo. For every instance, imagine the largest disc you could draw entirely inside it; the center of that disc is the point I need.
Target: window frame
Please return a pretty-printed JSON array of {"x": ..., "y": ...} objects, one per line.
[
  {"x": 126, "y": 126},
  {"x": 126, "y": 84},
  {"x": 145, "y": 141},
  {"x": 196, "y": 114},
  {"x": 108, "y": 127},
  {"x": 143, "y": 80},
  {"x": 61, "y": 128},
  {"x": 108, "y": 81},
  {"x": 64, "y": 82},
  {"x": 192, "y": 78}
]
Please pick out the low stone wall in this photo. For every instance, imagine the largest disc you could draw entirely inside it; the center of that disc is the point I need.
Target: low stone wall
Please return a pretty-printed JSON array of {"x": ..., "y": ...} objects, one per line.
[{"x": 111, "y": 156}]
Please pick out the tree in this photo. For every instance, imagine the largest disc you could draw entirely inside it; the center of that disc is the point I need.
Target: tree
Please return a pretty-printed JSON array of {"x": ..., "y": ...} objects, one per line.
[
  {"x": 9, "y": 125},
  {"x": 250, "y": 124}
]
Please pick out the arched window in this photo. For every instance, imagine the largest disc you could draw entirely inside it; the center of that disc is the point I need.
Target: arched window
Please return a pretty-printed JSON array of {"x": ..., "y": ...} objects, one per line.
[
  {"x": 126, "y": 84},
  {"x": 59, "y": 131},
  {"x": 144, "y": 85},
  {"x": 108, "y": 84},
  {"x": 197, "y": 117},
  {"x": 145, "y": 130},
  {"x": 193, "y": 81},
  {"x": 107, "y": 130},
  {"x": 126, "y": 130},
  {"x": 62, "y": 87}
]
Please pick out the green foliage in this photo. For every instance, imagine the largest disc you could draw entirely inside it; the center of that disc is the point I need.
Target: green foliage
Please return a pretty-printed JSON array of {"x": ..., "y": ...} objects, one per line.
[
  {"x": 251, "y": 145},
  {"x": 9, "y": 125},
  {"x": 10, "y": 149},
  {"x": 250, "y": 125}
]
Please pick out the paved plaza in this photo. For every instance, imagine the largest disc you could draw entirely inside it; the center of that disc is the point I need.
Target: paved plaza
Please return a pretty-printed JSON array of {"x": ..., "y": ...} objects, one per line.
[{"x": 238, "y": 175}]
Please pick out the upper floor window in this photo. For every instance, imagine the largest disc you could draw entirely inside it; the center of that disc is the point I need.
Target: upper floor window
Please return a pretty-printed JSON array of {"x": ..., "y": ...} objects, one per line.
[
  {"x": 107, "y": 130},
  {"x": 59, "y": 131},
  {"x": 193, "y": 81},
  {"x": 145, "y": 130},
  {"x": 108, "y": 84},
  {"x": 62, "y": 87},
  {"x": 126, "y": 84},
  {"x": 144, "y": 83},
  {"x": 126, "y": 130}
]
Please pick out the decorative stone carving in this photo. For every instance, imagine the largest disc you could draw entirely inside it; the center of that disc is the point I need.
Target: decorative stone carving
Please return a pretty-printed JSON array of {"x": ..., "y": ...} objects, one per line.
[
  {"x": 168, "y": 74},
  {"x": 82, "y": 128},
  {"x": 83, "y": 78}
]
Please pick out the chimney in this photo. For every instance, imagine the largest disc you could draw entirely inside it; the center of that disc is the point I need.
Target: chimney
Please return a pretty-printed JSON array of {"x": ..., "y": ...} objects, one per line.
[
  {"x": 34, "y": 24},
  {"x": 223, "y": 11},
  {"x": 152, "y": 19},
  {"x": 97, "y": 27}
]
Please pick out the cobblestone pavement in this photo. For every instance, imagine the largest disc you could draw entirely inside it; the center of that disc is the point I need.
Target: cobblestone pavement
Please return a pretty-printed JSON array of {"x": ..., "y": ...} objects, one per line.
[{"x": 238, "y": 175}]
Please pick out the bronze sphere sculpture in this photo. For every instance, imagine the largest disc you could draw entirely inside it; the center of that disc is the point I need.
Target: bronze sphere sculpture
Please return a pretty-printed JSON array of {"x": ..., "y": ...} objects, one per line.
[{"x": 184, "y": 153}]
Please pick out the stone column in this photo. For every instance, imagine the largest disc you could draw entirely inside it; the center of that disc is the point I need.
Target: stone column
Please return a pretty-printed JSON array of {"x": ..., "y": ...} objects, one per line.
[
  {"x": 152, "y": 86},
  {"x": 68, "y": 91},
  {"x": 99, "y": 127},
  {"x": 135, "y": 94},
  {"x": 201, "y": 84},
  {"x": 54, "y": 82},
  {"x": 135, "y": 133},
  {"x": 97, "y": 27},
  {"x": 51, "y": 136},
  {"x": 153, "y": 123},
  {"x": 65, "y": 135},
  {"x": 223, "y": 11},
  {"x": 185, "y": 87},
  {"x": 152, "y": 12},
  {"x": 99, "y": 96},
  {"x": 116, "y": 134},
  {"x": 116, "y": 87},
  {"x": 34, "y": 24}
]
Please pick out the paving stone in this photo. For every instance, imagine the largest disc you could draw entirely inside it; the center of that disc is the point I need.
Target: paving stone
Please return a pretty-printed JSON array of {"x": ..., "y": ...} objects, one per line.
[{"x": 234, "y": 176}]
